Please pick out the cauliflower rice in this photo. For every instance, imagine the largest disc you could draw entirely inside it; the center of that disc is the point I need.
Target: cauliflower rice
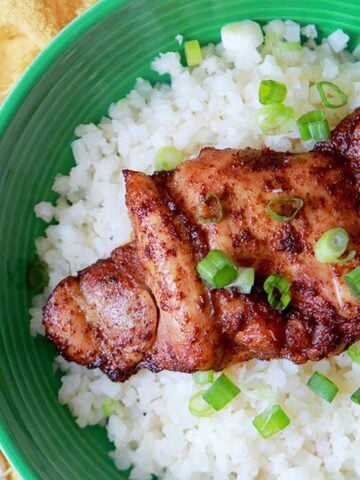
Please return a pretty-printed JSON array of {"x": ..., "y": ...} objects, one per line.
[{"x": 213, "y": 104}]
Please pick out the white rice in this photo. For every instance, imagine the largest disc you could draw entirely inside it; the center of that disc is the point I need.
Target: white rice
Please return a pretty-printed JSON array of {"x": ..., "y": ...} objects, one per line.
[{"x": 213, "y": 104}]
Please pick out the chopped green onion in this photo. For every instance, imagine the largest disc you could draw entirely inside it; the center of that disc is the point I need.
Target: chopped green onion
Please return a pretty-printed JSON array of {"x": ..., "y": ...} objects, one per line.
[
  {"x": 275, "y": 119},
  {"x": 210, "y": 210},
  {"x": 221, "y": 392},
  {"x": 193, "y": 53},
  {"x": 277, "y": 287},
  {"x": 284, "y": 209},
  {"x": 217, "y": 269},
  {"x": 38, "y": 275},
  {"x": 271, "y": 91},
  {"x": 333, "y": 91},
  {"x": 290, "y": 47},
  {"x": 350, "y": 256},
  {"x": 314, "y": 126},
  {"x": 354, "y": 353},
  {"x": 331, "y": 246},
  {"x": 271, "y": 421},
  {"x": 168, "y": 158},
  {"x": 201, "y": 378},
  {"x": 111, "y": 407},
  {"x": 355, "y": 397},
  {"x": 323, "y": 387},
  {"x": 352, "y": 280},
  {"x": 244, "y": 281},
  {"x": 198, "y": 407}
]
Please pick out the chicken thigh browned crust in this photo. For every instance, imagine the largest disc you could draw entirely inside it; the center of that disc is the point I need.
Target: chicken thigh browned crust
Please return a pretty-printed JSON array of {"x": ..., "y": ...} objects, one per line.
[
  {"x": 146, "y": 307},
  {"x": 106, "y": 316}
]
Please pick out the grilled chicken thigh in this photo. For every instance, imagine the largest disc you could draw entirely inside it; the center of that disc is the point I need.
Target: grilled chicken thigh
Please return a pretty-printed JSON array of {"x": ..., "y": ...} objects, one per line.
[
  {"x": 106, "y": 316},
  {"x": 146, "y": 306}
]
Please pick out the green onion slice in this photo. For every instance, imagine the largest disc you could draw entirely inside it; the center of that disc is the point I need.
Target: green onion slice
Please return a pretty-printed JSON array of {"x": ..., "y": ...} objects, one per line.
[
  {"x": 314, "y": 126},
  {"x": 217, "y": 269},
  {"x": 290, "y": 47},
  {"x": 350, "y": 256},
  {"x": 168, "y": 158},
  {"x": 202, "y": 378},
  {"x": 38, "y": 275},
  {"x": 193, "y": 53},
  {"x": 275, "y": 119},
  {"x": 277, "y": 287},
  {"x": 244, "y": 281},
  {"x": 354, "y": 353},
  {"x": 329, "y": 92},
  {"x": 332, "y": 245},
  {"x": 111, "y": 407},
  {"x": 355, "y": 397},
  {"x": 271, "y": 421},
  {"x": 284, "y": 209},
  {"x": 352, "y": 280},
  {"x": 210, "y": 209},
  {"x": 271, "y": 91},
  {"x": 323, "y": 387},
  {"x": 221, "y": 392},
  {"x": 198, "y": 407}
]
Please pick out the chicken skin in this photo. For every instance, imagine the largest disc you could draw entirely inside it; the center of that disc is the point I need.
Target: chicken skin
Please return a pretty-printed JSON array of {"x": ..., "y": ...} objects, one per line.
[{"x": 147, "y": 307}]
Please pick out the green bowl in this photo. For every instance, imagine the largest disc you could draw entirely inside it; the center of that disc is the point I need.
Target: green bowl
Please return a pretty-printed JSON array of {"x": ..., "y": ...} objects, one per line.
[{"x": 91, "y": 63}]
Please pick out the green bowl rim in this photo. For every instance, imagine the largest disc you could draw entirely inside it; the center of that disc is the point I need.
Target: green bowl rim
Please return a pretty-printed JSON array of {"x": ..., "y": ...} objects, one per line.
[{"x": 8, "y": 110}]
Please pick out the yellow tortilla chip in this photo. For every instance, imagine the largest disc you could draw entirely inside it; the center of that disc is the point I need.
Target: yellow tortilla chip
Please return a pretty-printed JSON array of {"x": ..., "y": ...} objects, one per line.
[{"x": 25, "y": 28}]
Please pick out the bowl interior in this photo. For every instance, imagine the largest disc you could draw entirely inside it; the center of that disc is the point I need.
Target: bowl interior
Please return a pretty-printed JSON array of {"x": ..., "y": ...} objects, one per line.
[{"x": 92, "y": 63}]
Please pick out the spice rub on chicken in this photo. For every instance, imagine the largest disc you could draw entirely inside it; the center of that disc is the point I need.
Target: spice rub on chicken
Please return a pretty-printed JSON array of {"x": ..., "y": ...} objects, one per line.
[{"x": 147, "y": 306}]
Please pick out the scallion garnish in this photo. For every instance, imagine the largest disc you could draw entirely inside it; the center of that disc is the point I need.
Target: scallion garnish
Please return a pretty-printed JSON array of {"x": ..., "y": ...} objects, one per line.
[
  {"x": 271, "y": 92},
  {"x": 271, "y": 421},
  {"x": 193, "y": 53},
  {"x": 275, "y": 119},
  {"x": 314, "y": 126},
  {"x": 198, "y": 407},
  {"x": 354, "y": 353},
  {"x": 331, "y": 246},
  {"x": 329, "y": 92},
  {"x": 355, "y": 397},
  {"x": 352, "y": 280},
  {"x": 202, "y": 378},
  {"x": 284, "y": 209},
  {"x": 168, "y": 158},
  {"x": 217, "y": 269},
  {"x": 38, "y": 275},
  {"x": 221, "y": 392},
  {"x": 278, "y": 289},
  {"x": 244, "y": 281},
  {"x": 290, "y": 47},
  {"x": 323, "y": 387},
  {"x": 210, "y": 209},
  {"x": 112, "y": 407}
]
